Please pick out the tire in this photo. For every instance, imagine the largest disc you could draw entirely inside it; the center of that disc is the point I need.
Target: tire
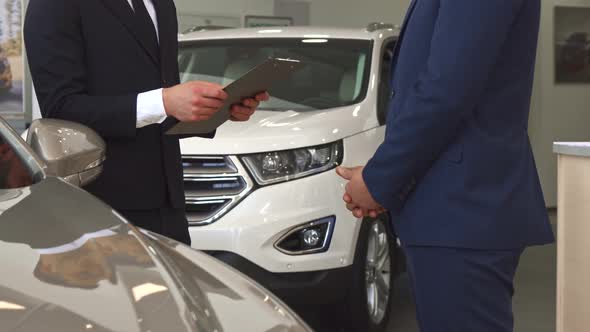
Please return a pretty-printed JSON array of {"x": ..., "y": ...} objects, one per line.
[{"x": 364, "y": 316}]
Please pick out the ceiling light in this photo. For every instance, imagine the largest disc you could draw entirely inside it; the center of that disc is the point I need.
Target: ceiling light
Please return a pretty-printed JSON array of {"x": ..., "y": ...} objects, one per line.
[
  {"x": 315, "y": 41},
  {"x": 316, "y": 36},
  {"x": 270, "y": 31}
]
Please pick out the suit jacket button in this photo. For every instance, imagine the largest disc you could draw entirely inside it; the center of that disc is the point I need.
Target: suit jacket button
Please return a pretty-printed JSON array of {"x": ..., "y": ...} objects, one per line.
[{"x": 392, "y": 93}]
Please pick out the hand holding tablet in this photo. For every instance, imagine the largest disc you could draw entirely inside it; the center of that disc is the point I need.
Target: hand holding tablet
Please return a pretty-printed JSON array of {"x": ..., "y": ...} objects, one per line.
[
  {"x": 242, "y": 112},
  {"x": 254, "y": 82}
]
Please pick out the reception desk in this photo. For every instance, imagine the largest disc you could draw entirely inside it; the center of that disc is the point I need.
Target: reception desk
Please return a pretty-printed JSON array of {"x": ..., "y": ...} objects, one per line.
[{"x": 573, "y": 237}]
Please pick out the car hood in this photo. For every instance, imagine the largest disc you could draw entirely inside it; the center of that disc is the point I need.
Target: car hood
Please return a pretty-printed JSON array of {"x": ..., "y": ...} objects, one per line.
[
  {"x": 71, "y": 263},
  {"x": 274, "y": 130}
]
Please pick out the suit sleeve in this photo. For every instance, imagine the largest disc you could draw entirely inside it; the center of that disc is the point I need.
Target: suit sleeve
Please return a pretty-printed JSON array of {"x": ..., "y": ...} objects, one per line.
[
  {"x": 467, "y": 40},
  {"x": 56, "y": 54}
]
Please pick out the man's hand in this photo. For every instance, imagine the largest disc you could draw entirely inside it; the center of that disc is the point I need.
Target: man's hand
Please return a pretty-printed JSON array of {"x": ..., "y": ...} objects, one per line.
[
  {"x": 243, "y": 111},
  {"x": 193, "y": 101},
  {"x": 357, "y": 197}
]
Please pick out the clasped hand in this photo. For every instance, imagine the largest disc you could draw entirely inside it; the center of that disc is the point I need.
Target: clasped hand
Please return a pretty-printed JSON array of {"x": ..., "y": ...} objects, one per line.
[
  {"x": 358, "y": 199},
  {"x": 199, "y": 101}
]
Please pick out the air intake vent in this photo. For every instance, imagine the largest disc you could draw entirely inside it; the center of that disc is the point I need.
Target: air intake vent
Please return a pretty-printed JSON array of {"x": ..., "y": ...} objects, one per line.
[
  {"x": 207, "y": 165},
  {"x": 197, "y": 211},
  {"x": 213, "y": 186}
]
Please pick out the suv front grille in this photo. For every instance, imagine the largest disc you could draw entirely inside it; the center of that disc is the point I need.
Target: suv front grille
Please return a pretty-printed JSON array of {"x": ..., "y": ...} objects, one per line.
[{"x": 213, "y": 186}]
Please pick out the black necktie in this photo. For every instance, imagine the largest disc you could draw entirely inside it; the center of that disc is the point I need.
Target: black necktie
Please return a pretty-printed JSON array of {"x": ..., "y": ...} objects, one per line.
[{"x": 145, "y": 26}]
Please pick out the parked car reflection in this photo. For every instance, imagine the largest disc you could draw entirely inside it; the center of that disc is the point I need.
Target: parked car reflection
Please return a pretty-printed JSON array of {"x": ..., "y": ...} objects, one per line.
[{"x": 91, "y": 259}]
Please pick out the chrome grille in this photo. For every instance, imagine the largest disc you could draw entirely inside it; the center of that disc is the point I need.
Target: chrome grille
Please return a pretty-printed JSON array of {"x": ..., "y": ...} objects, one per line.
[
  {"x": 195, "y": 165},
  {"x": 213, "y": 186}
]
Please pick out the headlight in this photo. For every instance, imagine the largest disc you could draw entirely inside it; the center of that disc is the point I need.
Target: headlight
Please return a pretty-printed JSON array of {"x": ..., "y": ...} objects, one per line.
[{"x": 280, "y": 166}]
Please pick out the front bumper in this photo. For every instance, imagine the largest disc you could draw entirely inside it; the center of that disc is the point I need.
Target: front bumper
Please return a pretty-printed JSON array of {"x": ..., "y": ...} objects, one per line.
[
  {"x": 295, "y": 289},
  {"x": 251, "y": 229}
]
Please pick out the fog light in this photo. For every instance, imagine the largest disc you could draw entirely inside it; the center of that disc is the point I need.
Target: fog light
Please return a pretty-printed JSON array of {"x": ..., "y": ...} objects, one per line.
[{"x": 309, "y": 238}]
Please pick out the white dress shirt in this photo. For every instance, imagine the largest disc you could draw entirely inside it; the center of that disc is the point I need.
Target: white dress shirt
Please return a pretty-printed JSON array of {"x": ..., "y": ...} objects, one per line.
[{"x": 150, "y": 105}]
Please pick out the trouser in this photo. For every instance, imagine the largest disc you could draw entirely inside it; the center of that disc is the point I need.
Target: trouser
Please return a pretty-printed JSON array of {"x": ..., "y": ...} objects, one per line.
[
  {"x": 460, "y": 290},
  {"x": 165, "y": 221}
]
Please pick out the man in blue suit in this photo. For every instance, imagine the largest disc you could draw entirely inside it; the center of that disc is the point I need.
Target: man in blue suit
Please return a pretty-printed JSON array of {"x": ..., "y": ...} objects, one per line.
[{"x": 456, "y": 171}]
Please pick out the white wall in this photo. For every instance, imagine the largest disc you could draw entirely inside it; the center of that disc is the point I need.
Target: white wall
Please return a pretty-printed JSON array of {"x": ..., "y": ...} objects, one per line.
[
  {"x": 346, "y": 13},
  {"x": 298, "y": 10},
  {"x": 357, "y": 13},
  {"x": 219, "y": 12},
  {"x": 561, "y": 112}
]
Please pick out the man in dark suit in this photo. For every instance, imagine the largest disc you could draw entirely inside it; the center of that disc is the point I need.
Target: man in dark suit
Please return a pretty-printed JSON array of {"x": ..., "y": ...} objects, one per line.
[
  {"x": 456, "y": 171},
  {"x": 112, "y": 65}
]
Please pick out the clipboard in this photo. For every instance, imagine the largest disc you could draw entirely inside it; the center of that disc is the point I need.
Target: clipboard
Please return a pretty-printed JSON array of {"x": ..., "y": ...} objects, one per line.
[{"x": 255, "y": 81}]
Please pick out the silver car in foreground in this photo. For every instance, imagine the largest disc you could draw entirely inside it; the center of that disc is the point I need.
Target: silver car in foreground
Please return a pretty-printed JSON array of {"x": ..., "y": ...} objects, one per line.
[{"x": 71, "y": 263}]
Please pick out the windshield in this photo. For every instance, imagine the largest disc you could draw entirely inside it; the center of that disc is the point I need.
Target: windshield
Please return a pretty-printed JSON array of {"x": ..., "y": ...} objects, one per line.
[{"x": 336, "y": 71}]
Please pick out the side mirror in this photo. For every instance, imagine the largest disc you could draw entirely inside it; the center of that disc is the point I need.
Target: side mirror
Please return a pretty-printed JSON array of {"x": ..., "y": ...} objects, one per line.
[{"x": 70, "y": 150}]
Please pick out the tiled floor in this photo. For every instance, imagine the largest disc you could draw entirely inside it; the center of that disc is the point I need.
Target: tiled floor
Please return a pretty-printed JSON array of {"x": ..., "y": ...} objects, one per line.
[{"x": 534, "y": 302}]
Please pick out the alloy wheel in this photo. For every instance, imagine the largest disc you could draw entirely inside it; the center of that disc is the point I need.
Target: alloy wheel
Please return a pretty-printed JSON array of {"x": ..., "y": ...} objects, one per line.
[{"x": 378, "y": 272}]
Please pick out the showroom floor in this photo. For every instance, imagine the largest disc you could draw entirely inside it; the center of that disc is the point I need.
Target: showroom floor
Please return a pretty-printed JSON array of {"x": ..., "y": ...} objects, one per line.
[{"x": 534, "y": 302}]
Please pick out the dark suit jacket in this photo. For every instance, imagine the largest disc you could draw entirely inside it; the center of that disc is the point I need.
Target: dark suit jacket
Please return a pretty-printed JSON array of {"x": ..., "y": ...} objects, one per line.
[
  {"x": 88, "y": 64},
  {"x": 456, "y": 168}
]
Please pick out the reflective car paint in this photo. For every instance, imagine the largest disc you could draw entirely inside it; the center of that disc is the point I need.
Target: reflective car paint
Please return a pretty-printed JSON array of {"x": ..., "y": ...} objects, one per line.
[
  {"x": 72, "y": 263},
  {"x": 274, "y": 131},
  {"x": 69, "y": 262}
]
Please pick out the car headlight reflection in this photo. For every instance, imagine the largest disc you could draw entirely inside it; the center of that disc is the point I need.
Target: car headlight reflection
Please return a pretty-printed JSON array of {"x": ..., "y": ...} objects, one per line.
[{"x": 280, "y": 166}]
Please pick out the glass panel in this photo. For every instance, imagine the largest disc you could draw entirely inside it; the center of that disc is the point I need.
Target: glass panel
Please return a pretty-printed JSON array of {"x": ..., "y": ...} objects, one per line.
[
  {"x": 385, "y": 81},
  {"x": 336, "y": 72},
  {"x": 19, "y": 167},
  {"x": 13, "y": 171}
]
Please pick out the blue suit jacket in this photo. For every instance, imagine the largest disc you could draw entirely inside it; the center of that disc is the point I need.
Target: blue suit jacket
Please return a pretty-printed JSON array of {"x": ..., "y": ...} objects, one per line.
[{"x": 456, "y": 168}]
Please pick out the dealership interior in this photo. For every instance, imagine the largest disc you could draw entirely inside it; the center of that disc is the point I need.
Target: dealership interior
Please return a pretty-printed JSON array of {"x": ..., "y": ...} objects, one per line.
[{"x": 273, "y": 247}]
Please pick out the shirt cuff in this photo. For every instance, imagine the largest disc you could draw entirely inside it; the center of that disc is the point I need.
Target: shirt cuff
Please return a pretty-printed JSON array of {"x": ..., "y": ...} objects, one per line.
[{"x": 150, "y": 108}]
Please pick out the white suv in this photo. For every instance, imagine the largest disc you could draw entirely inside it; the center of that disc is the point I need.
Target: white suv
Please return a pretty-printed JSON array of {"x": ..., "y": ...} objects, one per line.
[{"x": 263, "y": 196}]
